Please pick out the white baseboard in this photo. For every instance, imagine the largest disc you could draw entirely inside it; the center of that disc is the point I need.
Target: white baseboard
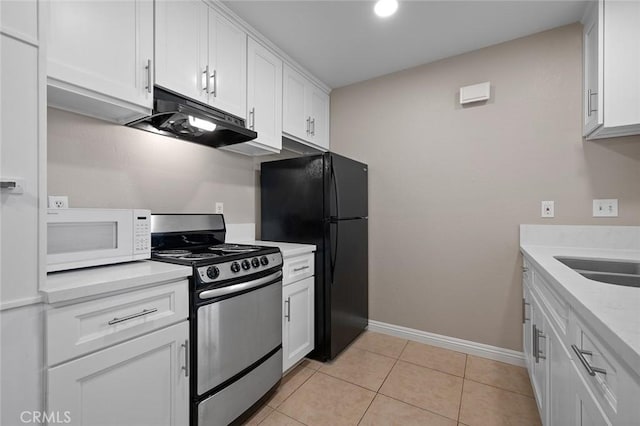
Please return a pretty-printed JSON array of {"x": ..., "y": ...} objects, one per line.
[{"x": 465, "y": 346}]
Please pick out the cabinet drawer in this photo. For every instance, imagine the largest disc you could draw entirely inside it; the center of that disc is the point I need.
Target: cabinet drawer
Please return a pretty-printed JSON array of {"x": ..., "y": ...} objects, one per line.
[
  {"x": 297, "y": 268},
  {"x": 558, "y": 309},
  {"x": 86, "y": 327},
  {"x": 604, "y": 381}
]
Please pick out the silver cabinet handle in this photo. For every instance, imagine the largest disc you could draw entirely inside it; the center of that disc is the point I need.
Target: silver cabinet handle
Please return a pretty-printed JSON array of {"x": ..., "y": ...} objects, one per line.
[
  {"x": 589, "y": 108},
  {"x": 524, "y": 312},
  {"x": 205, "y": 79},
  {"x": 540, "y": 335},
  {"x": 8, "y": 184},
  {"x": 148, "y": 68},
  {"x": 132, "y": 316},
  {"x": 308, "y": 125},
  {"x": 302, "y": 268},
  {"x": 525, "y": 269},
  {"x": 215, "y": 84},
  {"x": 534, "y": 342},
  {"x": 591, "y": 370},
  {"x": 223, "y": 291},
  {"x": 252, "y": 118},
  {"x": 288, "y": 314},
  {"x": 313, "y": 127},
  {"x": 185, "y": 345}
]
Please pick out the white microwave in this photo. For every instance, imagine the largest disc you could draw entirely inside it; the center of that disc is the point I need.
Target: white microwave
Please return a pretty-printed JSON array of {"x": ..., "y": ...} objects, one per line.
[{"x": 78, "y": 238}]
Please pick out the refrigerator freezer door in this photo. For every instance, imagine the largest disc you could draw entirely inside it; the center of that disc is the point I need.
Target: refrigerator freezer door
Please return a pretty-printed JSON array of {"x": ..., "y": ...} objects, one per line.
[
  {"x": 347, "y": 188},
  {"x": 348, "y": 276}
]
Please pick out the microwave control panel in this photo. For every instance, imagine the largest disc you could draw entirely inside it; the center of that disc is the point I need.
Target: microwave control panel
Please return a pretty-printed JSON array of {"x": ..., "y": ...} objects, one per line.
[{"x": 142, "y": 234}]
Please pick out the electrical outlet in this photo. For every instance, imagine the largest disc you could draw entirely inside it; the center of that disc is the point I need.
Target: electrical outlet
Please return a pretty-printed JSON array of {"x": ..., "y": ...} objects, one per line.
[
  {"x": 605, "y": 208},
  {"x": 58, "y": 202},
  {"x": 219, "y": 208},
  {"x": 547, "y": 209}
]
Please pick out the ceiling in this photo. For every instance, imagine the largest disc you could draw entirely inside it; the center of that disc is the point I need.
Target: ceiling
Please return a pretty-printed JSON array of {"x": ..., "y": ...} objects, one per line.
[{"x": 343, "y": 42}]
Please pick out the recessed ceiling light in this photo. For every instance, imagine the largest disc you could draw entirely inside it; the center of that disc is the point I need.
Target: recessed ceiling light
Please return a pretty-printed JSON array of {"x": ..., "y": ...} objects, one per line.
[{"x": 385, "y": 8}]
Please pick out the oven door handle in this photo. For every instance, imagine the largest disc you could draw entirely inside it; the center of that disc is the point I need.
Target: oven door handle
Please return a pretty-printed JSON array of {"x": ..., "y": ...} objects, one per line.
[{"x": 224, "y": 291}]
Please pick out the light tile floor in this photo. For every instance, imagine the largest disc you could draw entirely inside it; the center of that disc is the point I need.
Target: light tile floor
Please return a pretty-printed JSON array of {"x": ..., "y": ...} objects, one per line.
[{"x": 384, "y": 380}]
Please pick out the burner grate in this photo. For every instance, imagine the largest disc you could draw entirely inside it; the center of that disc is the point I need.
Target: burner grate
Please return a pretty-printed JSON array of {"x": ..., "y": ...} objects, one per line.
[{"x": 172, "y": 253}]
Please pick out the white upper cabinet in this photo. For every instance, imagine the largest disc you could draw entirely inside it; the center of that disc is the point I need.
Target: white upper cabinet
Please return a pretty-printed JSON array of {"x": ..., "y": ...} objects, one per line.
[
  {"x": 100, "y": 58},
  {"x": 20, "y": 19},
  {"x": 181, "y": 43},
  {"x": 611, "y": 69},
  {"x": 319, "y": 113},
  {"x": 264, "y": 102},
  {"x": 305, "y": 110},
  {"x": 201, "y": 55},
  {"x": 227, "y": 65}
]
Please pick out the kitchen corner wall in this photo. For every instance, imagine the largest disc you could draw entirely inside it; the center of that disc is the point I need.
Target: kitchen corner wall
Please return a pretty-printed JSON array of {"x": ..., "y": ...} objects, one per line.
[
  {"x": 449, "y": 185},
  {"x": 99, "y": 164}
]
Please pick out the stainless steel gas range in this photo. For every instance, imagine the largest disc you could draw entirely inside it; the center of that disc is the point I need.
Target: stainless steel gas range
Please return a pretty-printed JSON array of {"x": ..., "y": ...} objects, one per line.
[{"x": 235, "y": 314}]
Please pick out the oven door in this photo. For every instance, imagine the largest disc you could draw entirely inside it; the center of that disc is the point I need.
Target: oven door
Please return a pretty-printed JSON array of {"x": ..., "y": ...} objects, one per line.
[{"x": 237, "y": 327}]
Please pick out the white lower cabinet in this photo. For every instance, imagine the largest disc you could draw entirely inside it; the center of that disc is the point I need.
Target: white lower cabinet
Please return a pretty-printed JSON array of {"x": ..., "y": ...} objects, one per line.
[
  {"x": 576, "y": 379},
  {"x": 298, "y": 324},
  {"x": 584, "y": 407},
  {"x": 559, "y": 387},
  {"x": 143, "y": 381}
]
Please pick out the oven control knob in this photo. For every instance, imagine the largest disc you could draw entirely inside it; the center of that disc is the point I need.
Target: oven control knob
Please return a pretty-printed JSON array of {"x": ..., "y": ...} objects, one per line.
[
  {"x": 264, "y": 260},
  {"x": 213, "y": 272},
  {"x": 246, "y": 264},
  {"x": 255, "y": 262},
  {"x": 235, "y": 267}
]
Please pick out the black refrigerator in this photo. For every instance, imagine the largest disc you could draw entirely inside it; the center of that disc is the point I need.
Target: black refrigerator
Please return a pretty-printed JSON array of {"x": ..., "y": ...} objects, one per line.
[{"x": 323, "y": 200}]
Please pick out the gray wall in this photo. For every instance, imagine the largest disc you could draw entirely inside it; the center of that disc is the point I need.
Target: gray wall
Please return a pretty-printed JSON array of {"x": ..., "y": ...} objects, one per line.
[
  {"x": 99, "y": 164},
  {"x": 450, "y": 185}
]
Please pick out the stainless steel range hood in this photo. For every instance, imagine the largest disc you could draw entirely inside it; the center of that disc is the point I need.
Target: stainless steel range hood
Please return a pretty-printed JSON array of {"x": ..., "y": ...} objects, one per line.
[{"x": 183, "y": 118}]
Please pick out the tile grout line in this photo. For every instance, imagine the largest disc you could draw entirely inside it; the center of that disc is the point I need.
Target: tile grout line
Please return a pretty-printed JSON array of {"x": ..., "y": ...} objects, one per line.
[
  {"x": 431, "y": 368},
  {"x": 419, "y": 408},
  {"x": 381, "y": 384},
  {"x": 296, "y": 389},
  {"x": 462, "y": 390},
  {"x": 502, "y": 389},
  {"x": 288, "y": 416}
]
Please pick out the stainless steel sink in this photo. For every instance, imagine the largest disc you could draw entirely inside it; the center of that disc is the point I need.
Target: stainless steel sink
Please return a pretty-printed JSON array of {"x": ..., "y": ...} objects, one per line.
[{"x": 618, "y": 272}]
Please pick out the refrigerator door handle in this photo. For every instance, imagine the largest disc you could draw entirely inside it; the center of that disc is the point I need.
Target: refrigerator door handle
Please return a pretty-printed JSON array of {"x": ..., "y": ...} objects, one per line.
[{"x": 333, "y": 255}]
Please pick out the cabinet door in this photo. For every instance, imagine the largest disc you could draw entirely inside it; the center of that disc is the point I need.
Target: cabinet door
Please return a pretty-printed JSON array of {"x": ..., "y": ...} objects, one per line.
[
  {"x": 540, "y": 352},
  {"x": 264, "y": 86},
  {"x": 587, "y": 411},
  {"x": 19, "y": 159},
  {"x": 103, "y": 46},
  {"x": 319, "y": 117},
  {"x": 141, "y": 382},
  {"x": 295, "y": 120},
  {"x": 593, "y": 69},
  {"x": 527, "y": 334},
  {"x": 298, "y": 327},
  {"x": 227, "y": 65},
  {"x": 181, "y": 47},
  {"x": 560, "y": 384}
]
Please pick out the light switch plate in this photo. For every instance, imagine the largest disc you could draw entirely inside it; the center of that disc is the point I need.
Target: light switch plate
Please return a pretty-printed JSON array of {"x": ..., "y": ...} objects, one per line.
[
  {"x": 219, "y": 208},
  {"x": 605, "y": 208},
  {"x": 547, "y": 209}
]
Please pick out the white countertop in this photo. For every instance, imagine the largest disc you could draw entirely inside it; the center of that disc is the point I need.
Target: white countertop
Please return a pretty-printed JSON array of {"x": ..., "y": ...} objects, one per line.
[
  {"x": 613, "y": 311},
  {"x": 287, "y": 249},
  {"x": 83, "y": 283}
]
